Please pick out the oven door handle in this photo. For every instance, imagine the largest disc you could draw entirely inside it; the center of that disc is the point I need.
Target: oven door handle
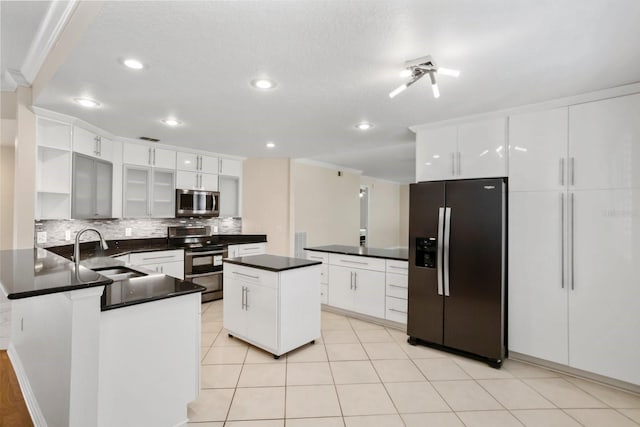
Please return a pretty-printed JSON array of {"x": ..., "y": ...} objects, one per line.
[
  {"x": 191, "y": 276},
  {"x": 196, "y": 254}
]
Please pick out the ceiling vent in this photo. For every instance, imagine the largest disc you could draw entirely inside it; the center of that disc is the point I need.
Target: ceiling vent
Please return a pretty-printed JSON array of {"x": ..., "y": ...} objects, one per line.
[{"x": 146, "y": 138}]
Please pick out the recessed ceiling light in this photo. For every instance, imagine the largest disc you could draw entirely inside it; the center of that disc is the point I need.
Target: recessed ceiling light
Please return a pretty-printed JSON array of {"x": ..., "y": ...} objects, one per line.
[
  {"x": 87, "y": 102},
  {"x": 364, "y": 126},
  {"x": 134, "y": 64},
  {"x": 171, "y": 122},
  {"x": 270, "y": 144},
  {"x": 263, "y": 83}
]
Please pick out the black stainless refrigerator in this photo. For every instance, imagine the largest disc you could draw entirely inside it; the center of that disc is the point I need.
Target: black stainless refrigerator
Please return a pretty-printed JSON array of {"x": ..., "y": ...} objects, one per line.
[{"x": 457, "y": 277}]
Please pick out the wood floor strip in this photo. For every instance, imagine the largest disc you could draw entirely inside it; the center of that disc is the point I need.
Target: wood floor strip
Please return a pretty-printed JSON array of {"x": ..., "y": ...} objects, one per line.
[{"x": 13, "y": 411}]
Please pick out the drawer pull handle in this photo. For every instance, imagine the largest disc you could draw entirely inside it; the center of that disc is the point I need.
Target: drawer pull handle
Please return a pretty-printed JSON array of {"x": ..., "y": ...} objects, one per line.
[
  {"x": 399, "y": 268},
  {"x": 398, "y": 286},
  {"x": 316, "y": 257},
  {"x": 355, "y": 262},
  {"x": 397, "y": 311},
  {"x": 247, "y": 275},
  {"x": 159, "y": 257}
]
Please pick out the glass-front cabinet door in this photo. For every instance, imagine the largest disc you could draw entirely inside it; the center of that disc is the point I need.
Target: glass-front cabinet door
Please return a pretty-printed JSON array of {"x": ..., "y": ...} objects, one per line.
[
  {"x": 163, "y": 197},
  {"x": 92, "y": 187},
  {"x": 136, "y": 191}
]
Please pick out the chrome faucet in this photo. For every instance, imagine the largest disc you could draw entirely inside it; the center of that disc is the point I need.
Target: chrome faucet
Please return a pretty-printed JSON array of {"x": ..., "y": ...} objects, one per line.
[{"x": 76, "y": 247}]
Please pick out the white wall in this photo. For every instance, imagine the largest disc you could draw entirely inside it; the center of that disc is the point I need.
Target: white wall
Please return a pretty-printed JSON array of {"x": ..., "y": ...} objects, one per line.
[
  {"x": 326, "y": 206},
  {"x": 266, "y": 202},
  {"x": 404, "y": 216}
]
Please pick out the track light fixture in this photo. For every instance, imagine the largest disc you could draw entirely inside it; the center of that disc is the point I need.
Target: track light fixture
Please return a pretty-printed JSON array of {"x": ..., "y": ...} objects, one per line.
[{"x": 419, "y": 68}]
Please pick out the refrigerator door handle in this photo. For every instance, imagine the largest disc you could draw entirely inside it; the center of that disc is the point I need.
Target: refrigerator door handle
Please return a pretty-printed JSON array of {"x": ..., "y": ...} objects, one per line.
[
  {"x": 440, "y": 246},
  {"x": 447, "y": 235}
]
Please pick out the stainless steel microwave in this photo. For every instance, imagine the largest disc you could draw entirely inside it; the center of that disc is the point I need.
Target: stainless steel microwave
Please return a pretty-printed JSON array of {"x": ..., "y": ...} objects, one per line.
[{"x": 197, "y": 203}]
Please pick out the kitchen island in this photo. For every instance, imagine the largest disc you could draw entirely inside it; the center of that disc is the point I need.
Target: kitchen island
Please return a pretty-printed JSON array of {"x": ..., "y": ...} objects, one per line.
[
  {"x": 272, "y": 302},
  {"x": 89, "y": 357}
]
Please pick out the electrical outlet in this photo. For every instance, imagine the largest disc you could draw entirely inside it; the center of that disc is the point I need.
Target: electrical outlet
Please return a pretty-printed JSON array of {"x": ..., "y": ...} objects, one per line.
[
  {"x": 127, "y": 231},
  {"x": 67, "y": 235},
  {"x": 41, "y": 236},
  {"x": 215, "y": 228}
]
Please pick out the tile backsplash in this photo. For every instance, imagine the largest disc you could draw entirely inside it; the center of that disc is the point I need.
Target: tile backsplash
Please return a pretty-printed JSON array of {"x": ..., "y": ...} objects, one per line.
[{"x": 113, "y": 229}]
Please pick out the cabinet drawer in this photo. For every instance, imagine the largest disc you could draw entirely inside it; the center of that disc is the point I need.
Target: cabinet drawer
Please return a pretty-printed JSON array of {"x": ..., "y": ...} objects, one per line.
[
  {"x": 251, "y": 249},
  {"x": 397, "y": 285},
  {"x": 397, "y": 267},
  {"x": 318, "y": 256},
  {"x": 251, "y": 275},
  {"x": 324, "y": 294},
  {"x": 396, "y": 310},
  {"x": 142, "y": 258},
  {"x": 376, "y": 264}
]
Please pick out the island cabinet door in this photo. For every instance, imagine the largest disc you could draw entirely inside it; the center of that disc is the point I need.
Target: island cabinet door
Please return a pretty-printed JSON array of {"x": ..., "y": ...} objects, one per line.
[
  {"x": 261, "y": 304},
  {"x": 341, "y": 292},
  {"x": 235, "y": 316},
  {"x": 369, "y": 290}
]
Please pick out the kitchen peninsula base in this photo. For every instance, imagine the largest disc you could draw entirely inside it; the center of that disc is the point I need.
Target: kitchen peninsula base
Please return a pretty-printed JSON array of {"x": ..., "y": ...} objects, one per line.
[{"x": 272, "y": 302}]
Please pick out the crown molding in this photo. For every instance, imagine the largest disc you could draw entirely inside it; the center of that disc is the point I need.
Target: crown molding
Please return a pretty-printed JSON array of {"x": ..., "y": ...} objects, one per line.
[
  {"x": 530, "y": 108},
  {"x": 45, "y": 39}
]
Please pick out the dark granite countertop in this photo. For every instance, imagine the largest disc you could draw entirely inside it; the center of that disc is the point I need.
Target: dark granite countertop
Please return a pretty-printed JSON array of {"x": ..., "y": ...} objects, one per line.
[
  {"x": 33, "y": 272},
  {"x": 127, "y": 246},
  {"x": 397, "y": 254},
  {"x": 271, "y": 262}
]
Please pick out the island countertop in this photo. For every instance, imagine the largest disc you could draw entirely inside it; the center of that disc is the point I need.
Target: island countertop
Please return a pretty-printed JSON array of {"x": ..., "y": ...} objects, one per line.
[
  {"x": 397, "y": 254},
  {"x": 33, "y": 272},
  {"x": 271, "y": 262}
]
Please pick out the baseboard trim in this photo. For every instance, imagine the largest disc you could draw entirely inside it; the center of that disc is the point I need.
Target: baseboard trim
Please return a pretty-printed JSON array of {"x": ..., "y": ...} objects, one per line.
[
  {"x": 579, "y": 373},
  {"x": 378, "y": 321},
  {"x": 27, "y": 392}
]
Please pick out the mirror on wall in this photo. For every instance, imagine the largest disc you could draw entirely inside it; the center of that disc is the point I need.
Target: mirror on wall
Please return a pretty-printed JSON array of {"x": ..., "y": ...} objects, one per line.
[{"x": 364, "y": 215}]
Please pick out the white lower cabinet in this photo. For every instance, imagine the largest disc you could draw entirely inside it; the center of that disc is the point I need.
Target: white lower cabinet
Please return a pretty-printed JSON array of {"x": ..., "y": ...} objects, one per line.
[
  {"x": 356, "y": 289},
  {"x": 573, "y": 282},
  {"x": 538, "y": 298},
  {"x": 276, "y": 311},
  {"x": 604, "y": 291},
  {"x": 324, "y": 273},
  {"x": 397, "y": 291},
  {"x": 170, "y": 262},
  {"x": 247, "y": 249}
]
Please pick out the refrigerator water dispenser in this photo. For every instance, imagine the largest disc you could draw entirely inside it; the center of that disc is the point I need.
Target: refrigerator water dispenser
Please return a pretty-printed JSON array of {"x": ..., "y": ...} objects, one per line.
[{"x": 426, "y": 252}]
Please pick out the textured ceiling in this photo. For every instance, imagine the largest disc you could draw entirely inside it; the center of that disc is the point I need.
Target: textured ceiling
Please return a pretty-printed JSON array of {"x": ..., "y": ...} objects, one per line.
[{"x": 335, "y": 63}]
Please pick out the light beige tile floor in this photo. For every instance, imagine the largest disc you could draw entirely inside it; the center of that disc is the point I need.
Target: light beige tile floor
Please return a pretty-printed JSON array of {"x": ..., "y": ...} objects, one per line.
[{"x": 362, "y": 374}]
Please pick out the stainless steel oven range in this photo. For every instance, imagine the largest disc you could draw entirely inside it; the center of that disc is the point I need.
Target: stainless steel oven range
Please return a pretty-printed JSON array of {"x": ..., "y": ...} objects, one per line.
[{"x": 202, "y": 259}]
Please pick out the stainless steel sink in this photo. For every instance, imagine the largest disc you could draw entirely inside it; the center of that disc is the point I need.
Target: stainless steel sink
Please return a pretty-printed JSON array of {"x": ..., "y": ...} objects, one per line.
[{"x": 119, "y": 273}]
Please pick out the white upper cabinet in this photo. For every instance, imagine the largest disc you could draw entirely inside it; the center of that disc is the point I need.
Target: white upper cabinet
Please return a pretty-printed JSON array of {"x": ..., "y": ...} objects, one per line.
[
  {"x": 482, "y": 149},
  {"x": 538, "y": 150},
  {"x": 604, "y": 144},
  {"x": 143, "y": 155},
  {"x": 470, "y": 150},
  {"x": 230, "y": 167},
  {"x": 90, "y": 144},
  {"x": 435, "y": 151},
  {"x": 186, "y": 161},
  {"x": 209, "y": 164}
]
